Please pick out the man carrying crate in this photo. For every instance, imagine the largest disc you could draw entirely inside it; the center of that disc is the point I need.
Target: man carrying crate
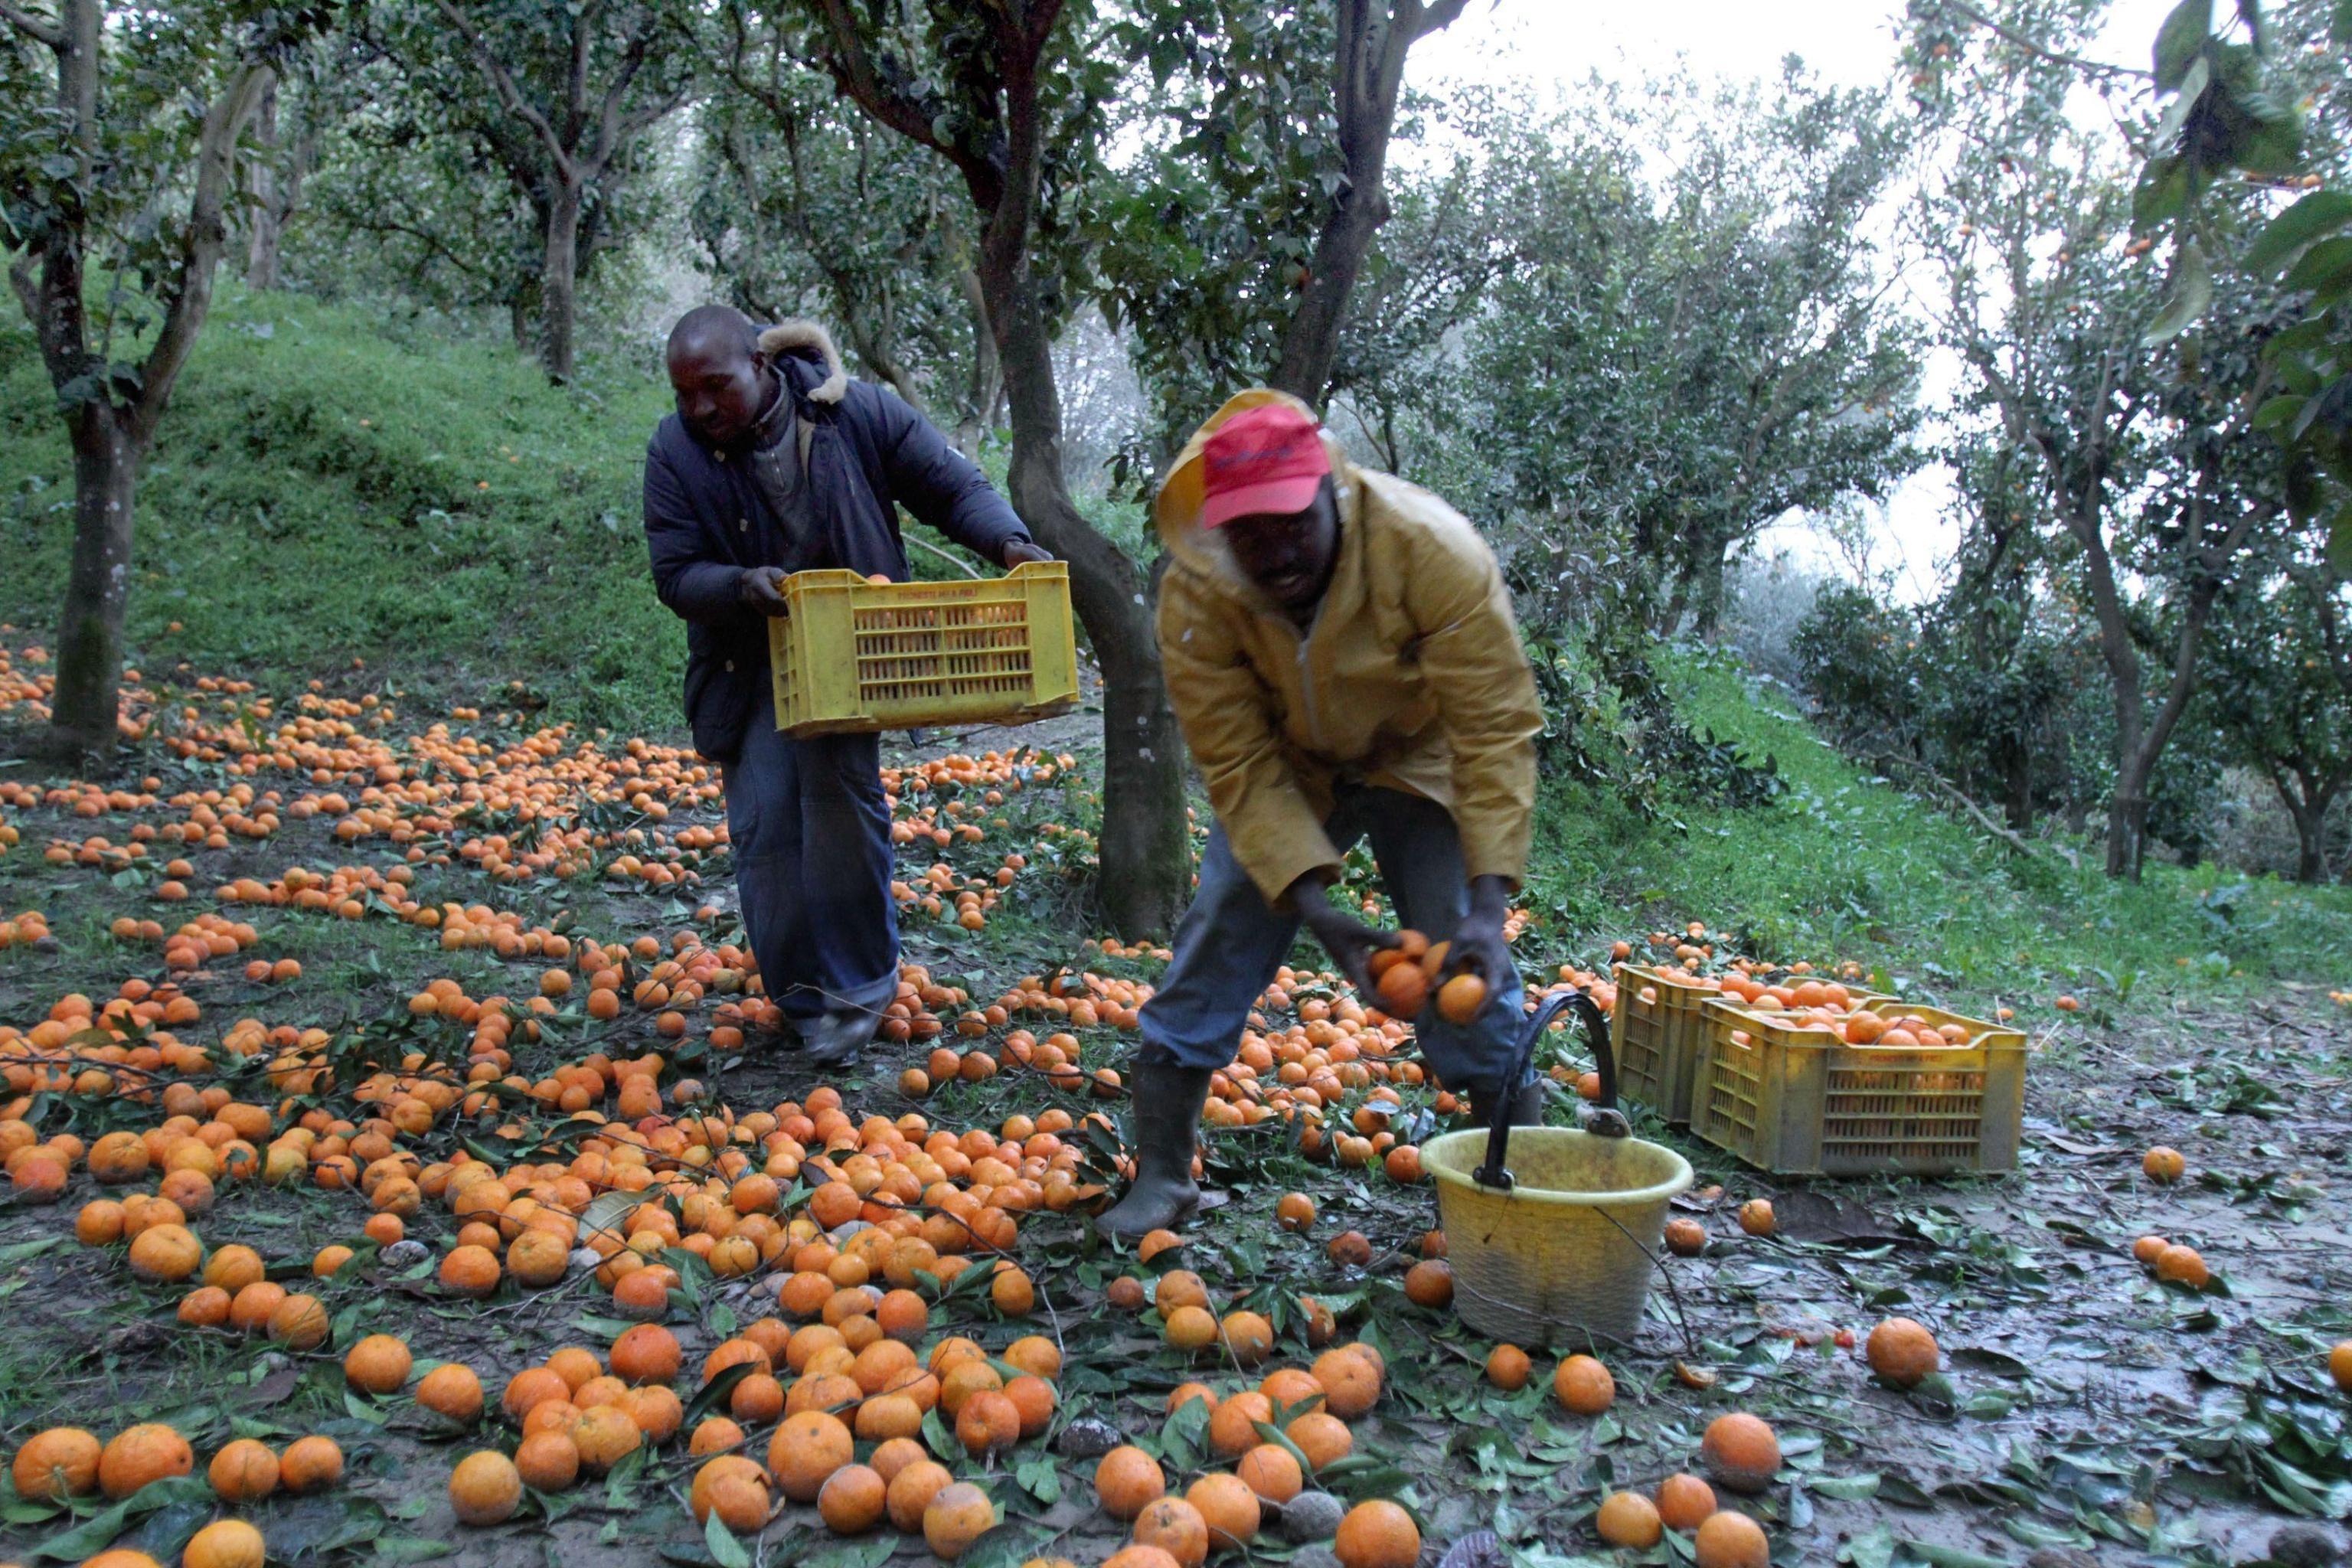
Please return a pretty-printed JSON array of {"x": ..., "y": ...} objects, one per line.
[
  {"x": 1341, "y": 653},
  {"x": 776, "y": 462}
]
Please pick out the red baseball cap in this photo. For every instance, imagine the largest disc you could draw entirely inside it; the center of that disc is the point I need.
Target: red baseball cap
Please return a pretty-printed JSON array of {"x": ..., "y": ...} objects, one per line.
[{"x": 1264, "y": 459}]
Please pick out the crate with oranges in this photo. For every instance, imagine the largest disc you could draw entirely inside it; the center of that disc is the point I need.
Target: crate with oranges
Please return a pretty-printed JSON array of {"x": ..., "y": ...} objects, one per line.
[
  {"x": 1661, "y": 1026},
  {"x": 1882, "y": 1088}
]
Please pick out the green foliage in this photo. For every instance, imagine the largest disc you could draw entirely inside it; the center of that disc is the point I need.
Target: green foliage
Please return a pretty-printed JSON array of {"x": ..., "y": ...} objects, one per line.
[
  {"x": 807, "y": 207},
  {"x": 1683, "y": 356},
  {"x": 1850, "y": 863},
  {"x": 323, "y": 494}
]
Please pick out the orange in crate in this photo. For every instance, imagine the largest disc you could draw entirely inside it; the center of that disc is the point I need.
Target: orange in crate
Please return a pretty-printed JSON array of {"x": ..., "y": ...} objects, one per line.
[
  {"x": 1792, "y": 1096},
  {"x": 851, "y": 656}
]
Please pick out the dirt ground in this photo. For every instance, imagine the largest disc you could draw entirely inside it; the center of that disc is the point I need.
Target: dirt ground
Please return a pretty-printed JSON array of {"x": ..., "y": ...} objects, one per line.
[{"x": 2086, "y": 1412}]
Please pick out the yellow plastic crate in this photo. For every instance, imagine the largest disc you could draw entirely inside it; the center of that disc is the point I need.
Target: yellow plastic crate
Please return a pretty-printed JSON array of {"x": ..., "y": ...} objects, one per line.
[
  {"x": 851, "y": 656},
  {"x": 1798, "y": 1100},
  {"x": 1659, "y": 1043}
]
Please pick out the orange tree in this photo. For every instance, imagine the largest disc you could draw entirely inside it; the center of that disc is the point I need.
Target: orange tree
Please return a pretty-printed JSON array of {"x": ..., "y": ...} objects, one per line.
[
  {"x": 118, "y": 145},
  {"x": 2121, "y": 395},
  {"x": 807, "y": 206},
  {"x": 555, "y": 97}
]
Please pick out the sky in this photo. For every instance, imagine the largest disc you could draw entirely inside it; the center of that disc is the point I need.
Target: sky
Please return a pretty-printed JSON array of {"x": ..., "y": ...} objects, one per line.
[{"x": 1555, "y": 43}]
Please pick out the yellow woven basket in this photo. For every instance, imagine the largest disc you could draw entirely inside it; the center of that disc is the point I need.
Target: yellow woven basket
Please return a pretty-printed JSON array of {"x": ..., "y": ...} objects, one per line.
[{"x": 1564, "y": 1254}]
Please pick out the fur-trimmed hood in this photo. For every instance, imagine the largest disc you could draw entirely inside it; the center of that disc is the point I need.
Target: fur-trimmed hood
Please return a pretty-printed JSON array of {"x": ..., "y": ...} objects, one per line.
[{"x": 805, "y": 340}]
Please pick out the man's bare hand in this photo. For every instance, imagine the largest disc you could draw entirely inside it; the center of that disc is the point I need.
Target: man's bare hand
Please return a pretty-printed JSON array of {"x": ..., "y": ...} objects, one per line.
[
  {"x": 763, "y": 589},
  {"x": 1020, "y": 552}
]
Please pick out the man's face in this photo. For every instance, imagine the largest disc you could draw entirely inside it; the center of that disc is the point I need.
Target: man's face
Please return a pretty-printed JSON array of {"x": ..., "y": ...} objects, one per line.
[
  {"x": 722, "y": 392},
  {"x": 1289, "y": 554}
]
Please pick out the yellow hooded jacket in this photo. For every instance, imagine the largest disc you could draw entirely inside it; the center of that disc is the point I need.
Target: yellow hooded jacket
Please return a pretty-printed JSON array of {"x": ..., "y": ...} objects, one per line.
[{"x": 1411, "y": 678}]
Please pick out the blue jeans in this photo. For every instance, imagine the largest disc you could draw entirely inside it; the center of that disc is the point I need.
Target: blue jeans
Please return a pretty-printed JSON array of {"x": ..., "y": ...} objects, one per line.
[
  {"x": 811, "y": 831},
  {"x": 1232, "y": 941}
]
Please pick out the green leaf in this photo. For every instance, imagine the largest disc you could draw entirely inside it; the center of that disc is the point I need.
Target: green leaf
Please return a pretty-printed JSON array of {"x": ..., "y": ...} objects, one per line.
[
  {"x": 1937, "y": 1556},
  {"x": 2321, "y": 263},
  {"x": 2339, "y": 25},
  {"x": 728, "y": 1550},
  {"x": 2161, "y": 194},
  {"x": 2339, "y": 545},
  {"x": 2277, "y": 411},
  {"x": 1040, "y": 1479},
  {"x": 2176, "y": 114},
  {"x": 2181, "y": 40},
  {"x": 2191, "y": 291},
  {"x": 1846, "y": 1489},
  {"x": 715, "y": 1392}
]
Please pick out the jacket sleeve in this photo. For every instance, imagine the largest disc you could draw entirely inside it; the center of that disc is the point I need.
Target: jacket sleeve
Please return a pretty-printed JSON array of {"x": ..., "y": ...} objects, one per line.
[
  {"x": 1468, "y": 640},
  {"x": 938, "y": 484},
  {"x": 1228, "y": 718},
  {"x": 694, "y": 587}
]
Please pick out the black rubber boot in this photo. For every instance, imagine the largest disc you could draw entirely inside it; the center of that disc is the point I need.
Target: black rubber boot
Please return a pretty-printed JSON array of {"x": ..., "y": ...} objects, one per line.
[
  {"x": 1167, "y": 1123},
  {"x": 836, "y": 1039}
]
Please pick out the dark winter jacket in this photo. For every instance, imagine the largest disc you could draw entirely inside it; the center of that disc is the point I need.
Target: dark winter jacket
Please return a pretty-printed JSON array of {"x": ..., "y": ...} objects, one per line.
[{"x": 707, "y": 524}]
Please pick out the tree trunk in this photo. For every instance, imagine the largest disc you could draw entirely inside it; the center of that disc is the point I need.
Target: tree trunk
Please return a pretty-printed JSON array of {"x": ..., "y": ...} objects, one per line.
[
  {"x": 262, "y": 210},
  {"x": 559, "y": 278},
  {"x": 82, "y": 715},
  {"x": 1368, "y": 71},
  {"x": 1312, "y": 343},
  {"x": 987, "y": 384},
  {"x": 2308, "y": 806},
  {"x": 1707, "y": 602},
  {"x": 1145, "y": 875},
  {"x": 2018, "y": 788}
]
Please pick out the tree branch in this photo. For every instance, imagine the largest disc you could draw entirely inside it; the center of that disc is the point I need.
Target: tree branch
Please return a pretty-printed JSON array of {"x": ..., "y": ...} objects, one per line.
[
  {"x": 206, "y": 236},
  {"x": 852, "y": 69},
  {"x": 2042, "y": 51},
  {"x": 1439, "y": 16},
  {"x": 612, "y": 122},
  {"x": 40, "y": 29},
  {"x": 503, "y": 83}
]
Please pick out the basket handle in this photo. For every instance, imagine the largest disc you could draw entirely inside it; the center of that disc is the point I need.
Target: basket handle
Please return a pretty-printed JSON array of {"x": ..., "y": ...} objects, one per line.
[{"x": 1608, "y": 1121}]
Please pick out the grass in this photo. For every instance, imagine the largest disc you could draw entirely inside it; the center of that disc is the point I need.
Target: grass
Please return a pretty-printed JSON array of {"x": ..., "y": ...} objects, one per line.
[{"x": 1846, "y": 865}]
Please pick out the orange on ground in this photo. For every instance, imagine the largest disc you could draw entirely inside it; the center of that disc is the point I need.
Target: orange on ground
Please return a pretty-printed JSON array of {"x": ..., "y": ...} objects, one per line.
[
  {"x": 1227, "y": 1506},
  {"x": 1728, "y": 1539},
  {"x": 1126, "y": 1480},
  {"x": 243, "y": 1470},
  {"x": 138, "y": 1455},
  {"x": 1507, "y": 1368},
  {"x": 549, "y": 1461},
  {"x": 852, "y": 1500},
  {"x": 1901, "y": 1352},
  {"x": 1684, "y": 1500},
  {"x": 1430, "y": 1283},
  {"x": 1583, "y": 1386},
  {"x": 1740, "y": 1452},
  {"x": 377, "y": 1365},
  {"x": 453, "y": 1392},
  {"x": 806, "y": 1451},
  {"x": 57, "y": 1463},
  {"x": 1628, "y": 1518},
  {"x": 1175, "y": 1527},
  {"x": 1272, "y": 1471},
  {"x": 1377, "y": 1534},
  {"x": 956, "y": 1517},
  {"x": 912, "y": 1492}
]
